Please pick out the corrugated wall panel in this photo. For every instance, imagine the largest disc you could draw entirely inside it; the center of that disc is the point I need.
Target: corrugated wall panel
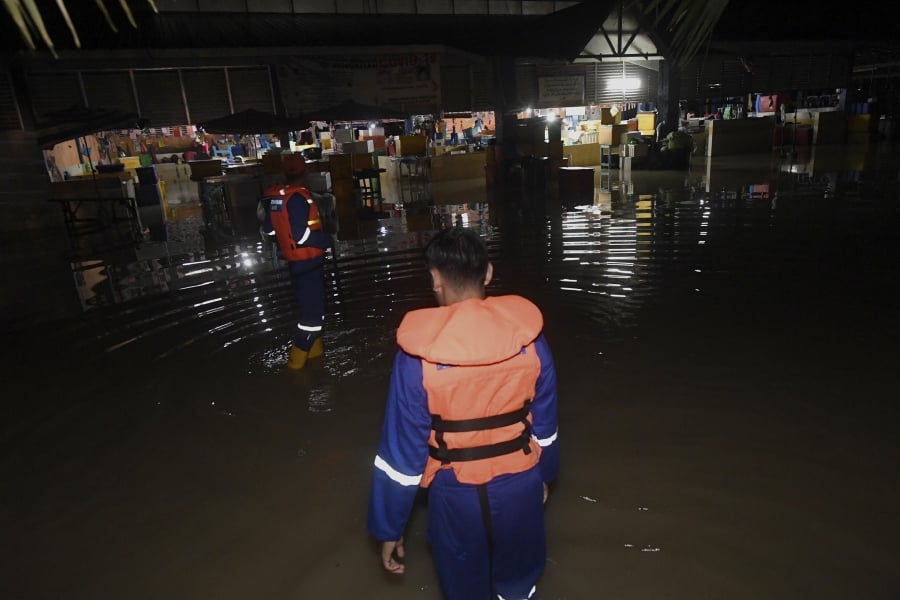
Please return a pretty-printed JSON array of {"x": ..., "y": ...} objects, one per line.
[
  {"x": 53, "y": 92},
  {"x": 159, "y": 98},
  {"x": 207, "y": 93},
  {"x": 526, "y": 86},
  {"x": 802, "y": 76},
  {"x": 688, "y": 82},
  {"x": 590, "y": 83},
  {"x": 820, "y": 71},
  {"x": 307, "y": 84},
  {"x": 840, "y": 73},
  {"x": 609, "y": 89},
  {"x": 10, "y": 118},
  {"x": 760, "y": 80},
  {"x": 251, "y": 88},
  {"x": 709, "y": 77},
  {"x": 732, "y": 78},
  {"x": 109, "y": 89},
  {"x": 482, "y": 86},
  {"x": 456, "y": 88},
  {"x": 782, "y": 73},
  {"x": 649, "y": 86}
]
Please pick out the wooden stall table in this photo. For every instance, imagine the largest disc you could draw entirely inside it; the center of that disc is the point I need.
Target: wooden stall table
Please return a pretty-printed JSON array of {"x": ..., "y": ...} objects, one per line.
[{"x": 95, "y": 206}]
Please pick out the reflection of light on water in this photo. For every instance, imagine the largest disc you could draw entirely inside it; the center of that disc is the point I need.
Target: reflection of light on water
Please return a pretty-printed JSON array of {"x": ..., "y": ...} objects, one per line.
[
  {"x": 598, "y": 258},
  {"x": 319, "y": 400},
  {"x": 205, "y": 302}
]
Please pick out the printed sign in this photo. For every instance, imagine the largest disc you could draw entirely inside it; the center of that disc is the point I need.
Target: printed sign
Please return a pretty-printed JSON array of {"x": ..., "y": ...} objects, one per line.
[{"x": 565, "y": 90}]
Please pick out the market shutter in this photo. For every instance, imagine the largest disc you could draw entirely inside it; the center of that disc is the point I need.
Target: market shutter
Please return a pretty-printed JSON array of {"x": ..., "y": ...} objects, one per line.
[
  {"x": 53, "y": 93},
  {"x": 732, "y": 78},
  {"x": 819, "y": 71},
  {"x": 782, "y": 68},
  {"x": 590, "y": 83},
  {"x": 251, "y": 88},
  {"x": 9, "y": 108},
  {"x": 159, "y": 98},
  {"x": 456, "y": 89},
  {"x": 802, "y": 79},
  {"x": 687, "y": 83},
  {"x": 482, "y": 86},
  {"x": 526, "y": 86},
  {"x": 109, "y": 89},
  {"x": 840, "y": 72},
  {"x": 762, "y": 74},
  {"x": 609, "y": 83},
  {"x": 649, "y": 84},
  {"x": 709, "y": 77},
  {"x": 207, "y": 94}
]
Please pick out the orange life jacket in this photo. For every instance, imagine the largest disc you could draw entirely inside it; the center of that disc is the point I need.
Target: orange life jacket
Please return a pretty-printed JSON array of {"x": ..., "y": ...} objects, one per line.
[
  {"x": 279, "y": 197},
  {"x": 479, "y": 370}
]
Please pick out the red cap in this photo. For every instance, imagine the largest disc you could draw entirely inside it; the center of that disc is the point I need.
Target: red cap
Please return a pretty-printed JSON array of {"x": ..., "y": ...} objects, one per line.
[{"x": 294, "y": 164}]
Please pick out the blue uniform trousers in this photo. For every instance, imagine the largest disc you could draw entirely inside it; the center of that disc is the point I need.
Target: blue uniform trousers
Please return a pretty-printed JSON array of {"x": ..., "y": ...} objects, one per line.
[
  {"x": 476, "y": 557},
  {"x": 308, "y": 283}
]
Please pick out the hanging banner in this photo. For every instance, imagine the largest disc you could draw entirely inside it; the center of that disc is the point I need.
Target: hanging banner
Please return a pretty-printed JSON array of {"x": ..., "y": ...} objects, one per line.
[
  {"x": 394, "y": 81},
  {"x": 565, "y": 90},
  {"x": 413, "y": 79}
]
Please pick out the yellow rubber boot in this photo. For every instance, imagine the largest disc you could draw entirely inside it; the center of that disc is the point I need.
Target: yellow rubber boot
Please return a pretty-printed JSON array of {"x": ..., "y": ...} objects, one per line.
[
  {"x": 317, "y": 350},
  {"x": 297, "y": 358}
]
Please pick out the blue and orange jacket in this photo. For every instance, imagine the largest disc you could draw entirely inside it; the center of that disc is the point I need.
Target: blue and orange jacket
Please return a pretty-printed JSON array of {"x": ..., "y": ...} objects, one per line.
[
  {"x": 292, "y": 217},
  {"x": 473, "y": 390}
]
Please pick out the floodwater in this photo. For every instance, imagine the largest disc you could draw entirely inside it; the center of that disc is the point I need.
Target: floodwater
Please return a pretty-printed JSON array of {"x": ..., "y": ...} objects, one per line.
[{"x": 726, "y": 340}]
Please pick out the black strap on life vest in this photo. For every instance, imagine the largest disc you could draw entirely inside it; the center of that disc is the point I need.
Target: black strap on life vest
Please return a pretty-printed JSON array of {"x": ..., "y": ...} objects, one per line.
[
  {"x": 447, "y": 455},
  {"x": 485, "y": 505}
]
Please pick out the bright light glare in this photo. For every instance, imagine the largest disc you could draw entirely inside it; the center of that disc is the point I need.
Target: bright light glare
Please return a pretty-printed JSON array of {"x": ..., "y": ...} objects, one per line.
[{"x": 625, "y": 84}]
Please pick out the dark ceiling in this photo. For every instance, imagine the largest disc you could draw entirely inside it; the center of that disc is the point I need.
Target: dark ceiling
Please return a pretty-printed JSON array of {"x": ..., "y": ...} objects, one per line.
[
  {"x": 805, "y": 20},
  {"x": 559, "y": 35}
]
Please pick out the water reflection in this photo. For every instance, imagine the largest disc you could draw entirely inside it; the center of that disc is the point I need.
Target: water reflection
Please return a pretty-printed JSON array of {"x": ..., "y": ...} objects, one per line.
[
  {"x": 725, "y": 337},
  {"x": 644, "y": 235}
]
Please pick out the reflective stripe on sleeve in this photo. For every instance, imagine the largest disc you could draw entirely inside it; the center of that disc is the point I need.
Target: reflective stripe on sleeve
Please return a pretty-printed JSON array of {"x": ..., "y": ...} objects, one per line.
[
  {"x": 303, "y": 327},
  {"x": 530, "y": 594},
  {"x": 305, "y": 237},
  {"x": 542, "y": 442},
  {"x": 396, "y": 475}
]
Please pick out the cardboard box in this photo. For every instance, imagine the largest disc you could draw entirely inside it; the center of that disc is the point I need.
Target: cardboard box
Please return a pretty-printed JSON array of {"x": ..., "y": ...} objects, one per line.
[
  {"x": 411, "y": 145},
  {"x": 609, "y": 135},
  {"x": 635, "y": 150},
  {"x": 610, "y": 117},
  {"x": 647, "y": 123},
  {"x": 343, "y": 136},
  {"x": 357, "y": 147}
]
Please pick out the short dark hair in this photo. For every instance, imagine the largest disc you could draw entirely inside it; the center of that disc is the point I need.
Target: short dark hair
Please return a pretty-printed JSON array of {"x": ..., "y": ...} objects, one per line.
[{"x": 460, "y": 255}]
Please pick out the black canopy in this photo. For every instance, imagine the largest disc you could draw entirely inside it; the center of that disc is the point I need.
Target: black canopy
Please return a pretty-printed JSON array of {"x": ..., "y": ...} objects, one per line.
[
  {"x": 351, "y": 110},
  {"x": 77, "y": 121},
  {"x": 254, "y": 121}
]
